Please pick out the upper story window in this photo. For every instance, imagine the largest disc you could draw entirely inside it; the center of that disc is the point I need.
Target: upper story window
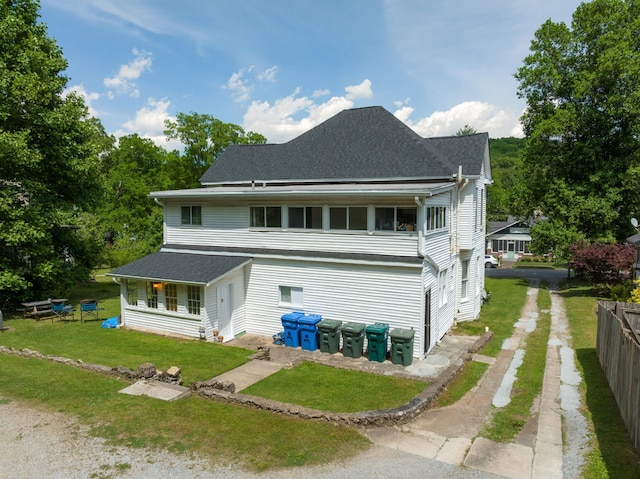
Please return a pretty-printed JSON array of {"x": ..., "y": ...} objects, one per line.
[
  {"x": 266, "y": 217},
  {"x": 309, "y": 217},
  {"x": 396, "y": 219},
  {"x": 191, "y": 215},
  {"x": 348, "y": 218},
  {"x": 436, "y": 217}
]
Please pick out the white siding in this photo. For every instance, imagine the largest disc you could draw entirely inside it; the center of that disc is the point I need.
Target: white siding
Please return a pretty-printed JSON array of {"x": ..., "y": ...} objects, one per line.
[
  {"x": 238, "y": 317},
  {"x": 229, "y": 227},
  {"x": 364, "y": 294},
  {"x": 149, "y": 320}
]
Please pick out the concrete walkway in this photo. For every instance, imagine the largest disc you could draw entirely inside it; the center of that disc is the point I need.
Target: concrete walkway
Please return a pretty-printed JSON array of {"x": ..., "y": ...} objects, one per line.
[{"x": 450, "y": 434}]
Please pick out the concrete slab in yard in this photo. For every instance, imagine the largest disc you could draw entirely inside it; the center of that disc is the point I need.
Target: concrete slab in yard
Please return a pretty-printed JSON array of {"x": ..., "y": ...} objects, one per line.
[
  {"x": 509, "y": 460},
  {"x": 157, "y": 389}
]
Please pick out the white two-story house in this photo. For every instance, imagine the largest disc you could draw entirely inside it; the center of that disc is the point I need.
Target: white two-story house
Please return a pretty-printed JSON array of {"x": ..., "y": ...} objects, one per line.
[{"x": 359, "y": 220}]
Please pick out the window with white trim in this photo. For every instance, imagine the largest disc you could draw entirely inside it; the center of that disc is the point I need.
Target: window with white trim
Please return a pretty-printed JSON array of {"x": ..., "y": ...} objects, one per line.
[
  {"x": 132, "y": 292},
  {"x": 307, "y": 217},
  {"x": 442, "y": 279},
  {"x": 291, "y": 296},
  {"x": 352, "y": 218},
  {"x": 193, "y": 299},
  {"x": 152, "y": 294},
  {"x": 395, "y": 219},
  {"x": 191, "y": 215},
  {"x": 266, "y": 217},
  {"x": 464, "y": 279},
  {"x": 171, "y": 297},
  {"x": 436, "y": 217}
]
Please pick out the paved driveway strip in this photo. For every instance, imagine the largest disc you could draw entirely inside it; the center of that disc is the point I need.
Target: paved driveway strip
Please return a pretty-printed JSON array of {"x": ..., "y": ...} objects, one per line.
[{"x": 450, "y": 434}]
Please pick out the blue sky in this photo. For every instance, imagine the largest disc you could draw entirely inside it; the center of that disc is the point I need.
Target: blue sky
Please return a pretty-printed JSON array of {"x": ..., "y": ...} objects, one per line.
[{"x": 280, "y": 67}]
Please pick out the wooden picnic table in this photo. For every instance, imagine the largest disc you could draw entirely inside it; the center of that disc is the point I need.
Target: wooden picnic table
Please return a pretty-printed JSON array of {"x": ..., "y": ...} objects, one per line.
[{"x": 40, "y": 308}]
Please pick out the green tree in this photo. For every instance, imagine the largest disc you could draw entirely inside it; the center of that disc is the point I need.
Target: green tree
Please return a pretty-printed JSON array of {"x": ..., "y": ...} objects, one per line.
[
  {"x": 466, "y": 130},
  {"x": 48, "y": 162},
  {"x": 204, "y": 138},
  {"x": 130, "y": 222},
  {"x": 582, "y": 121}
]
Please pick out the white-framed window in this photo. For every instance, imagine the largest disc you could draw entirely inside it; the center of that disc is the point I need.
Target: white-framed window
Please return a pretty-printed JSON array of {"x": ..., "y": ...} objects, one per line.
[
  {"x": 152, "y": 294},
  {"x": 191, "y": 215},
  {"x": 291, "y": 296},
  {"x": 193, "y": 299},
  {"x": 393, "y": 218},
  {"x": 464, "y": 279},
  {"x": 266, "y": 217},
  {"x": 307, "y": 217},
  {"x": 132, "y": 292},
  {"x": 353, "y": 218},
  {"x": 442, "y": 287},
  {"x": 171, "y": 297},
  {"x": 436, "y": 217}
]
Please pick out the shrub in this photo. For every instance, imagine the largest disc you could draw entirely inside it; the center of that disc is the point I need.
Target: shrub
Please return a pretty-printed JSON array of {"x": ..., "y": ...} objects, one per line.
[{"x": 602, "y": 263}]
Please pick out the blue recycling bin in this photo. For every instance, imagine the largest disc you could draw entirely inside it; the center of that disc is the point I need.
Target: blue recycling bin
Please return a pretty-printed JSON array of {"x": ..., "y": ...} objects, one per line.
[
  {"x": 308, "y": 326},
  {"x": 291, "y": 328}
]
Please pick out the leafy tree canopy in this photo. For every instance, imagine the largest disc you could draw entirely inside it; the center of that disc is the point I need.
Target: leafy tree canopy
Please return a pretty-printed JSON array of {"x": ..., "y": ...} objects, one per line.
[
  {"x": 49, "y": 166},
  {"x": 204, "y": 137},
  {"x": 582, "y": 121},
  {"x": 466, "y": 130}
]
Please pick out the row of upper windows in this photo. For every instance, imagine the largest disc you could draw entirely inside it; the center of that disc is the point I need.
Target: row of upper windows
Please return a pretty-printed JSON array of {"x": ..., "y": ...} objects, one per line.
[{"x": 350, "y": 218}]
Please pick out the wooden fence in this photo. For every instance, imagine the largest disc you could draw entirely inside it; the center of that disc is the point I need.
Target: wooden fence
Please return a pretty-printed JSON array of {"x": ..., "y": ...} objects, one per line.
[{"x": 618, "y": 350}]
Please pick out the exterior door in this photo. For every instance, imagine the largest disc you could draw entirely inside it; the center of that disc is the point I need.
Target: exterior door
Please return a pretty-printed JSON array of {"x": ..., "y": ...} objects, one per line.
[
  {"x": 225, "y": 311},
  {"x": 511, "y": 249},
  {"x": 427, "y": 322}
]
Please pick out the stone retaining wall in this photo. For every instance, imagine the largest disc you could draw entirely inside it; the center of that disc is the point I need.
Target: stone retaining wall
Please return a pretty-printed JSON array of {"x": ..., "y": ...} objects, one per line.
[{"x": 224, "y": 391}]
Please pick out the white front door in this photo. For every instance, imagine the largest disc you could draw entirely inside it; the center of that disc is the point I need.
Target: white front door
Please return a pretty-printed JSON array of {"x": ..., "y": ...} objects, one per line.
[{"x": 225, "y": 311}]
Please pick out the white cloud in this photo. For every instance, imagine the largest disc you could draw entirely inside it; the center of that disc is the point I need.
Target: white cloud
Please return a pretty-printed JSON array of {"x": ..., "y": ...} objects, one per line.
[
  {"x": 149, "y": 123},
  {"x": 481, "y": 116},
  {"x": 124, "y": 81},
  {"x": 293, "y": 115},
  {"x": 269, "y": 74},
  {"x": 89, "y": 98},
  {"x": 356, "y": 92},
  {"x": 239, "y": 86}
]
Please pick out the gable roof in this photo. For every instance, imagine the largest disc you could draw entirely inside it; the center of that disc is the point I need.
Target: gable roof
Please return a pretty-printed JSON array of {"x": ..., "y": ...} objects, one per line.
[{"x": 356, "y": 145}]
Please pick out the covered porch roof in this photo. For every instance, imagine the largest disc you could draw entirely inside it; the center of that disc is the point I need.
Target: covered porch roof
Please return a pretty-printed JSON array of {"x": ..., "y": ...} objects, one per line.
[{"x": 177, "y": 267}]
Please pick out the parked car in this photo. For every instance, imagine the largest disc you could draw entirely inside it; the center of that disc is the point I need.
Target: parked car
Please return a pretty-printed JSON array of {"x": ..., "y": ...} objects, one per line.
[{"x": 490, "y": 261}]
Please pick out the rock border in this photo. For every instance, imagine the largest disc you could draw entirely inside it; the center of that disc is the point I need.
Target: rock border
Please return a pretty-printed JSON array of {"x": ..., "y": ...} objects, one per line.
[{"x": 224, "y": 391}]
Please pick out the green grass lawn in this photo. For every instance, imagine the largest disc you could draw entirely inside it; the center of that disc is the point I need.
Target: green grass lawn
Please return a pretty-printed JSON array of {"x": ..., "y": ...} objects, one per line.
[
  {"x": 508, "y": 296},
  {"x": 319, "y": 387},
  {"x": 612, "y": 454},
  {"x": 219, "y": 432}
]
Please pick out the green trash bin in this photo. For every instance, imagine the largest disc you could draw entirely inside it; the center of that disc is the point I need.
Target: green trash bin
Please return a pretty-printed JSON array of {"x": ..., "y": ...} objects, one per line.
[
  {"x": 402, "y": 346},
  {"x": 377, "y": 335},
  {"x": 329, "y": 335},
  {"x": 352, "y": 339}
]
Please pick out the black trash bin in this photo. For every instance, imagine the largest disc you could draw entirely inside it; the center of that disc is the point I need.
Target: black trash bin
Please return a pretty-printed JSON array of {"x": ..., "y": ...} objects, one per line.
[
  {"x": 352, "y": 339},
  {"x": 402, "y": 346},
  {"x": 329, "y": 335},
  {"x": 377, "y": 341}
]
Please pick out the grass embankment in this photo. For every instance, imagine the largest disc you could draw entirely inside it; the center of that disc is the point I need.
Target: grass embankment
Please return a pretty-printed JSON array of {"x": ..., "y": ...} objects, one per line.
[
  {"x": 216, "y": 431},
  {"x": 612, "y": 454},
  {"x": 358, "y": 391}
]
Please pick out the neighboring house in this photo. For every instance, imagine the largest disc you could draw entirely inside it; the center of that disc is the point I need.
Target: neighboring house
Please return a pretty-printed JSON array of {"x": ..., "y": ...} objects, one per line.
[
  {"x": 359, "y": 219},
  {"x": 509, "y": 240}
]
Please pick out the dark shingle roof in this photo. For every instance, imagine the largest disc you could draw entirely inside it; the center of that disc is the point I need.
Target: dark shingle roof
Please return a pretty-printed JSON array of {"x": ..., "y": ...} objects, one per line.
[
  {"x": 180, "y": 267},
  {"x": 358, "y": 144}
]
